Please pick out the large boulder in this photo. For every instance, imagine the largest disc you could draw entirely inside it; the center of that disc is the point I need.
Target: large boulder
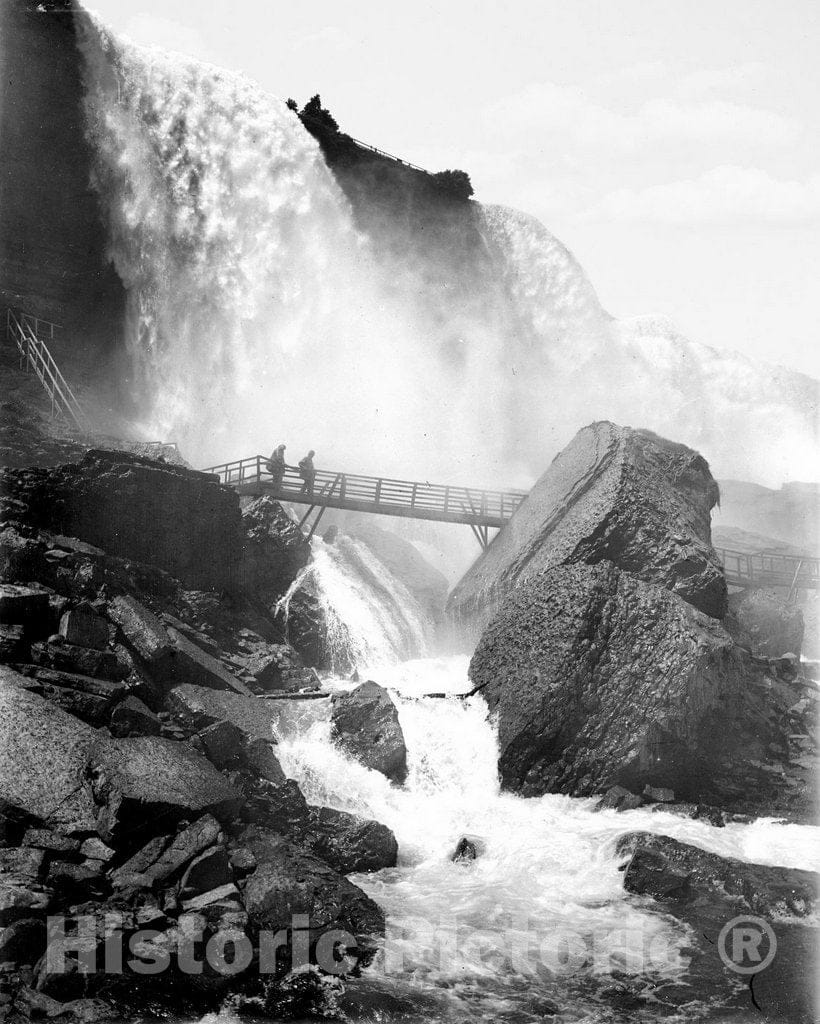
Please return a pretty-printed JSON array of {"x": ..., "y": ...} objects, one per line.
[
  {"x": 170, "y": 517},
  {"x": 148, "y": 777},
  {"x": 275, "y": 548},
  {"x": 600, "y": 679},
  {"x": 199, "y": 706},
  {"x": 365, "y": 723},
  {"x": 763, "y": 620},
  {"x": 616, "y": 494},
  {"x": 350, "y": 843},
  {"x": 44, "y": 757}
]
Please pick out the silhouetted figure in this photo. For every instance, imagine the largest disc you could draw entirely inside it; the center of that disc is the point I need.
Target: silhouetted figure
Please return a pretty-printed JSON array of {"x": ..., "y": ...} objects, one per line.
[
  {"x": 307, "y": 472},
  {"x": 276, "y": 466}
]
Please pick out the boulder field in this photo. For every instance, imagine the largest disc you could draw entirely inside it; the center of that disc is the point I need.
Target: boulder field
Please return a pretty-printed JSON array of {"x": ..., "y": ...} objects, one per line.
[
  {"x": 606, "y": 658},
  {"x": 143, "y": 684}
]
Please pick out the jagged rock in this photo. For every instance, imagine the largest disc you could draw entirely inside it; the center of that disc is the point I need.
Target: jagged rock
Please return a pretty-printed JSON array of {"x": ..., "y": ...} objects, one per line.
[
  {"x": 23, "y": 941},
  {"x": 20, "y": 899},
  {"x": 109, "y": 498},
  {"x": 365, "y": 723},
  {"x": 242, "y": 863},
  {"x": 143, "y": 777},
  {"x": 131, "y": 717},
  {"x": 269, "y": 666},
  {"x": 45, "y": 839},
  {"x": 141, "y": 628},
  {"x": 600, "y": 679},
  {"x": 24, "y": 863},
  {"x": 142, "y": 860},
  {"x": 95, "y": 849},
  {"x": 190, "y": 664},
  {"x": 467, "y": 848},
  {"x": 23, "y": 605},
  {"x": 71, "y": 878},
  {"x": 12, "y": 642},
  {"x": 613, "y": 494},
  {"x": 198, "y": 706},
  {"x": 349, "y": 843},
  {"x": 275, "y": 549},
  {"x": 222, "y": 744},
  {"x": 260, "y": 757},
  {"x": 290, "y": 881},
  {"x": 85, "y": 628},
  {"x": 658, "y": 794},
  {"x": 209, "y": 870},
  {"x": 83, "y": 661},
  {"x": 44, "y": 753},
  {"x": 186, "y": 845},
  {"x": 665, "y": 868},
  {"x": 765, "y": 622},
  {"x": 280, "y": 805},
  {"x": 619, "y": 799}
]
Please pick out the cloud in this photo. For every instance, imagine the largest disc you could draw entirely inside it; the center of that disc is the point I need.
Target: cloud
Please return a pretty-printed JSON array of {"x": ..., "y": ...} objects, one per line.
[
  {"x": 720, "y": 196},
  {"x": 546, "y": 108}
]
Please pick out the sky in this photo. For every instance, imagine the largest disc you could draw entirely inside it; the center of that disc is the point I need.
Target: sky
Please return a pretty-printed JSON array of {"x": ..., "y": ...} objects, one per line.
[{"x": 674, "y": 147}]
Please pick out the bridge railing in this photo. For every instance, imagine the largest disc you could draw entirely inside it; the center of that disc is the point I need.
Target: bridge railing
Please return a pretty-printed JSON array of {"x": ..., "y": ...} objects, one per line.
[
  {"x": 773, "y": 570},
  {"x": 28, "y": 333},
  {"x": 379, "y": 492}
]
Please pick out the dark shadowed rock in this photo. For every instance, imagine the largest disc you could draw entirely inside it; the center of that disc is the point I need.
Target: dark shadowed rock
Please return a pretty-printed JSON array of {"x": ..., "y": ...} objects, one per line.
[
  {"x": 209, "y": 870},
  {"x": 143, "y": 778},
  {"x": 365, "y": 723},
  {"x": 44, "y": 755},
  {"x": 664, "y": 868},
  {"x": 290, "y": 881},
  {"x": 349, "y": 843},
  {"x": 616, "y": 494},
  {"x": 618, "y": 798},
  {"x": 85, "y": 628},
  {"x": 600, "y": 679},
  {"x": 272, "y": 667},
  {"x": 141, "y": 629},
  {"x": 467, "y": 848},
  {"x": 188, "y": 663},
  {"x": 22, "y": 605},
  {"x": 109, "y": 498},
  {"x": 198, "y": 706},
  {"x": 23, "y": 941},
  {"x": 275, "y": 548},
  {"x": 765, "y": 622},
  {"x": 84, "y": 661},
  {"x": 133, "y": 718},
  {"x": 186, "y": 845},
  {"x": 12, "y": 642}
]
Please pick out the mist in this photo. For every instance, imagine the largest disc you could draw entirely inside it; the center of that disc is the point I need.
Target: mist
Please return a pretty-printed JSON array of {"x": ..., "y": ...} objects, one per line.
[{"x": 260, "y": 313}]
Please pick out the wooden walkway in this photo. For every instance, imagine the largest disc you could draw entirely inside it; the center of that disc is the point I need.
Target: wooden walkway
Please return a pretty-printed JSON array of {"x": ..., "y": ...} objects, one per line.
[
  {"x": 480, "y": 510},
  {"x": 763, "y": 569}
]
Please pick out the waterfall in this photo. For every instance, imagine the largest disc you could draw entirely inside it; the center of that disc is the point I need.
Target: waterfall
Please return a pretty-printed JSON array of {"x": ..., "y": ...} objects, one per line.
[
  {"x": 259, "y": 312},
  {"x": 370, "y": 620}
]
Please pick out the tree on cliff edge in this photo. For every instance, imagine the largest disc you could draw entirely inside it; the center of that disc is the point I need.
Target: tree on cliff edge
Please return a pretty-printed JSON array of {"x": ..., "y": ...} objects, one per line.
[{"x": 319, "y": 115}]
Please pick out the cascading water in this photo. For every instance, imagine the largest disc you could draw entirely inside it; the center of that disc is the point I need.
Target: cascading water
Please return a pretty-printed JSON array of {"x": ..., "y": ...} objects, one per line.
[
  {"x": 370, "y": 620},
  {"x": 259, "y": 312},
  {"x": 540, "y": 922}
]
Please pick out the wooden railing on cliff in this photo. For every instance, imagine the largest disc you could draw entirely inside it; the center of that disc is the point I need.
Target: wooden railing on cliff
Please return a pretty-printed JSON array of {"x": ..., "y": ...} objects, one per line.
[
  {"x": 479, "y": 509},
  {"x": 28, "y": 333}
]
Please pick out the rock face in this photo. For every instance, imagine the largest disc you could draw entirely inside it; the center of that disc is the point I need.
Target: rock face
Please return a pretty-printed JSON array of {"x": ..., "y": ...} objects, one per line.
[
  {"x": 765, "y": 622},
  {"x": 275, "y": 549},
  {"x": 109, "y": 499},
  {"x": 617, "y": 494},
  {"x": 365, "y": 723},
  {"x": 600, "y": 679}
]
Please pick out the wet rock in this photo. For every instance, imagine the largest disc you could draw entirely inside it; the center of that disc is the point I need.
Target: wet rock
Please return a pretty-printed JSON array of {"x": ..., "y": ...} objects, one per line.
[
  {"x": 350, "y": 843},
  {"x": 142, "y": 778},
  {"x": 84, "y": 628},
  {"x": 365, "y": 723},
  {"x": 658, "y": 794},
  {"x": 467, "y": 848},
  {"x": 289, "y": 881},
  {"x": 600, "y": 679},
  {"x": 613, "y": 494},
  {"x": 141, "y": 629},
  {"x": 222, "y": 744},
  {"x": 190, "y": 664},
  {"x": 275, "y": 549},
  {"x": 198, "y": 706},
  {"x": 23, "y": 605},
  {"x": 131, "y": 717},
  {"x": 765, "y": 622},
  {"x": 44, "y": 753},
  {"x": 273, "y": 667},
  {"x": 84, "y": 661},
  {"x": 662, "y": 867},
  {"x": 209, "y": 870},
  {"x": 23, "y": 941},
  {"x": 260, "y": 758},
  {"x": 619, "y": 799},
  {"x": 279, "y": 805}
]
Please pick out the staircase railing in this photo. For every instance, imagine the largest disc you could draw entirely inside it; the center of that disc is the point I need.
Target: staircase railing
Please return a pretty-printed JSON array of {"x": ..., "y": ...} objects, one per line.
[{"x": 27, "y": 333}]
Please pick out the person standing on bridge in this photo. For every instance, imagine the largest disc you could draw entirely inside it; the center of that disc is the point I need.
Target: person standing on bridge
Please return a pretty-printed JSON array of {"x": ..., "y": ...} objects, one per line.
[
  {"x": 276, "y": 466},
  {"x": 307, "y": 473}
]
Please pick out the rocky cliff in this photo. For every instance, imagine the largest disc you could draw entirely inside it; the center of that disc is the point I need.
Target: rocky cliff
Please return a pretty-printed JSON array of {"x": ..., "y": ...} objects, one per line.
[{"x": 614, "y": 493}]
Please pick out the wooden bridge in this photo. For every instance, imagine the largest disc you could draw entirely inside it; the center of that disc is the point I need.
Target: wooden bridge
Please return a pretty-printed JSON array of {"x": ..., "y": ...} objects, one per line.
[
  {"x": 769, "y": 569},
  {"x": 480, "y": 510}
]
